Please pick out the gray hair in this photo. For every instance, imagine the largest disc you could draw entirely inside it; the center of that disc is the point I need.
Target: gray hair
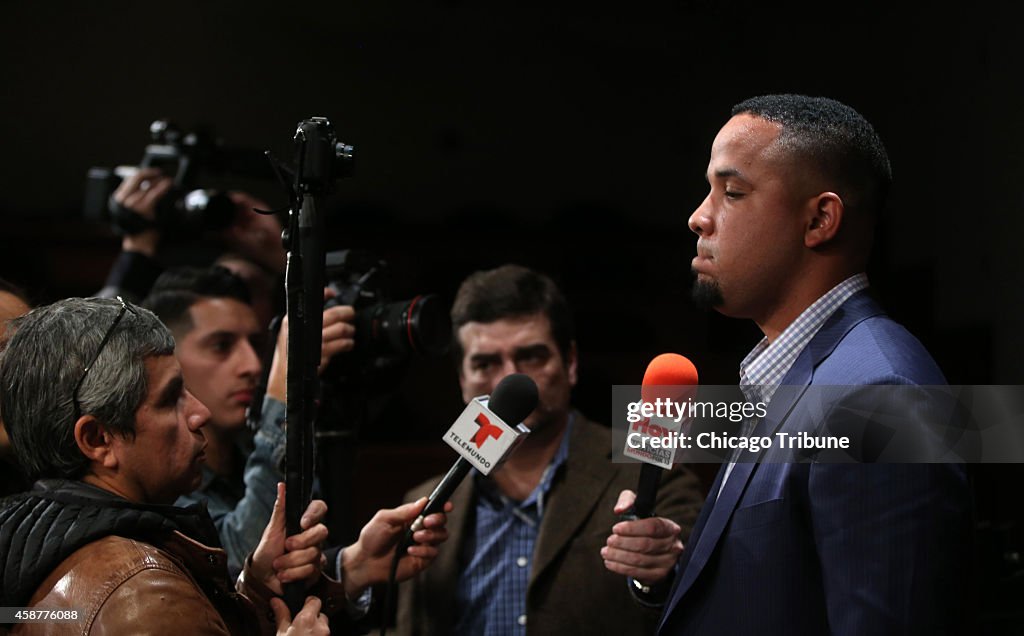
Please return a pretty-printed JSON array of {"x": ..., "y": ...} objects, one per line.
[{"x": 45, "y": 356}]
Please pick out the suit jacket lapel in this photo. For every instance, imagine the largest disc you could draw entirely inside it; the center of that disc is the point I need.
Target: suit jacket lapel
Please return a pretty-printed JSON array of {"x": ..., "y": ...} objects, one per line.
[
  {"x": 857, "y": 308},
  {"x": 586, "y": 470},
  {"x": 725, "y": 502}
]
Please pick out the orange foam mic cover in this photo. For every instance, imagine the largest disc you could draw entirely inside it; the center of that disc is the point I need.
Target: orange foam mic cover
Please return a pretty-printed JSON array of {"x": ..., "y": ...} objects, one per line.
[{"x": 671, "y": 376}]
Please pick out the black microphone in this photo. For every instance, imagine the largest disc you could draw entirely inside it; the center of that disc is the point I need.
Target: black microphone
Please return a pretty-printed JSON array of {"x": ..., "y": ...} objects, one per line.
[
  {"x": 646, "y": 493},
  {"x": 496, "y": 426},
  {"x": 513, "y": 399}
]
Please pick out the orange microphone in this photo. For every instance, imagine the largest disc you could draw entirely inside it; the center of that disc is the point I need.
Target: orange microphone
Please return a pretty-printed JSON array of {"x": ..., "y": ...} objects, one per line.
[{"x": 669, "y": 376}]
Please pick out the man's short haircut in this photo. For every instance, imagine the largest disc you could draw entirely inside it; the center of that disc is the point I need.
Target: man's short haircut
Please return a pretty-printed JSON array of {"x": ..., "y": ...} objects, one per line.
[
  {"x": 43, "y": 359},
  {"x": 176, "y": 290},
  {"x": 512, "y": 291},
  {"x": 831, "y": 139},
  {"x": 14, "y": 290}
]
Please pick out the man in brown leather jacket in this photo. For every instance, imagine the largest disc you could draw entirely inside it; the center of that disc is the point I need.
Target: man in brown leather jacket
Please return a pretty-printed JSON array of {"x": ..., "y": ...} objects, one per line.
[{"x": 96, "y": 408}]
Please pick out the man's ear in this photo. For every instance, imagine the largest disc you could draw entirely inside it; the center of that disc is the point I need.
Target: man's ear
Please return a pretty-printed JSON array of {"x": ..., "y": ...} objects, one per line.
[
  {"x": 571, "y": 363},
  {"x": 95, "y": 442},
  {"x": 825, "y": 218}
]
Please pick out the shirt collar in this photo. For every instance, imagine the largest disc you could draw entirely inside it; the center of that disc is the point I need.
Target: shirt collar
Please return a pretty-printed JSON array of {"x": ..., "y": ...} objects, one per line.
[
  {"x": 763, "y": 369},
  {"x": 489, "y": 492}
]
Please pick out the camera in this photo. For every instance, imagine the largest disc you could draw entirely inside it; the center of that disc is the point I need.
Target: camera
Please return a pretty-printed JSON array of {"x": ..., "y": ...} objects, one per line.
[
  {"x": 388, "y": 332},
  {"x": 320, "y": 158},
  {"x": 187, "y": 158}
]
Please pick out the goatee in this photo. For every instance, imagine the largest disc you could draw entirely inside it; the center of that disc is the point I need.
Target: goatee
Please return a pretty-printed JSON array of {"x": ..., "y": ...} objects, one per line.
[{"x": 706, "y": 294}]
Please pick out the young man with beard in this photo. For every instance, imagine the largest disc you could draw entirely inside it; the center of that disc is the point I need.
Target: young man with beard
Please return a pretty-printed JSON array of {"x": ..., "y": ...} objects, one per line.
[
  {"x": 216, "y": 337},
  {"x": 216, "y": 334},
  {"x": 523, "y": 556},
  {"x": 810, "y": 547}
]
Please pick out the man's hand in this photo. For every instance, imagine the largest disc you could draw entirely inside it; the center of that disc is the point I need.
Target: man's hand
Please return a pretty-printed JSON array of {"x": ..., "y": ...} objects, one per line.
[
  {"x": 645, "y": 549},
  {"x": 140, "y": 193},
  {"x": 309, "y": 620},
  {"x": 368, "y": 561},
  {"x": 279, "y": 560},
  {"x": 338, "y": 336}
]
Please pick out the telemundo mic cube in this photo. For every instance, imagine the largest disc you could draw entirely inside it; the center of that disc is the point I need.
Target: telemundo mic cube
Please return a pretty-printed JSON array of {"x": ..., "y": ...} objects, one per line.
[{"x": 483, "y": 438}]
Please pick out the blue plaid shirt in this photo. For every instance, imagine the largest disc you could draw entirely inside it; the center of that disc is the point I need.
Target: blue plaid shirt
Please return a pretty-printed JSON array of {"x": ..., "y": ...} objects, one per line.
[
  {"x": 762, "y": 371},
  {"x": 491, "y": 593}
]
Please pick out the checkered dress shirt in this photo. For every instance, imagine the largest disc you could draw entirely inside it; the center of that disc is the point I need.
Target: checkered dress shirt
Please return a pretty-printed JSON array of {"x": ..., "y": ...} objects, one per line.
[{"x": 762, "y": 371}]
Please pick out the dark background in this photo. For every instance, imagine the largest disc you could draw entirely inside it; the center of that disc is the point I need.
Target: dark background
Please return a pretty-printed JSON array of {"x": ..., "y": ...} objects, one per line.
[{"x": 564, "y": 137}]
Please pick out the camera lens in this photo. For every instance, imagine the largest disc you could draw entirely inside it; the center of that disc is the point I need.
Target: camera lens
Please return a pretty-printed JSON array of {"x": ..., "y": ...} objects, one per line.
[
  {"x": 428, "y": 325},
  {"x": 420, "y": 325},
  {"x": 208, "y": 209}
]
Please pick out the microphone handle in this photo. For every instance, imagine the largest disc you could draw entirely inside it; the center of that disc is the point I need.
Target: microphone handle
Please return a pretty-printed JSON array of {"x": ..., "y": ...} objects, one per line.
[
  {"x": 646, "y": 492},
  {"x": 443, "y": 492}
]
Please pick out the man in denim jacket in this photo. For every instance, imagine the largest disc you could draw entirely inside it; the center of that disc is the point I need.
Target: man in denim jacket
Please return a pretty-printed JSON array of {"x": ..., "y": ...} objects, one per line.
[{"x": 216, "y": 333}]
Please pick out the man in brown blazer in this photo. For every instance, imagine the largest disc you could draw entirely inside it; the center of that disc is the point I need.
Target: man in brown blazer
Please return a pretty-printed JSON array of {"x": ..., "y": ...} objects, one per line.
[{"x": 524, "y": 549}]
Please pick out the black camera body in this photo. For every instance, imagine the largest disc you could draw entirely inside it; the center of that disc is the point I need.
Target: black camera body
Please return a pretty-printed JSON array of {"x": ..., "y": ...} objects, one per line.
[
  {"x": 388, "y": 332},
  {"x": 187, "y": 158},
  {"x": 320, "y": 158}
]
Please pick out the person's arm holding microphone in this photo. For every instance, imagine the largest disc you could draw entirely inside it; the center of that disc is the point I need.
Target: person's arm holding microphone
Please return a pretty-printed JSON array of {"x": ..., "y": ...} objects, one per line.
[{"x": 642, "y": 546}]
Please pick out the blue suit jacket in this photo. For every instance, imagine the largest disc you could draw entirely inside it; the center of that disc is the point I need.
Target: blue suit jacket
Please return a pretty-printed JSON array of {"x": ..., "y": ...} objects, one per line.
[{"x": 816, "y": 548}]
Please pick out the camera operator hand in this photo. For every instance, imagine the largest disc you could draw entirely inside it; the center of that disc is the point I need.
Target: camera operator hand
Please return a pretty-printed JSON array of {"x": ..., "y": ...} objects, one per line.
[
  {"x": 140, "y": 194},
  {"x": 309, "y": 620},
  {"x": 256, "y": 236},
  {"x": 278, "y": 560},
  {"x": 338, "y": 336}
]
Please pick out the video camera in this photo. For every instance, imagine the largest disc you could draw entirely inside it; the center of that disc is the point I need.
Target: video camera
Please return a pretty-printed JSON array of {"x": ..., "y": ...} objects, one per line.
[
  {"x": 388, "y": 332},
  {"x": 187, "y": 158}
]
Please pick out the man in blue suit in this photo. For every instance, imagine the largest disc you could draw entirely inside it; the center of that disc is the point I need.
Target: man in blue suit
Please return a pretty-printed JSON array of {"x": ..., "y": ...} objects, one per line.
[{"x": 809, "y": 547}]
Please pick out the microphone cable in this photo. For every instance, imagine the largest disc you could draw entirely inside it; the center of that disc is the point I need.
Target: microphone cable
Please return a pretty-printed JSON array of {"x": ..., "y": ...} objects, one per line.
[{"x": 389, "y": 594}]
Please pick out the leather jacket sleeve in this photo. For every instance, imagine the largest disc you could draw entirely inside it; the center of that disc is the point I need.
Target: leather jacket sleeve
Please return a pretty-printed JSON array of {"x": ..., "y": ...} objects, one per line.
[{"x": 157, "y": 602}]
